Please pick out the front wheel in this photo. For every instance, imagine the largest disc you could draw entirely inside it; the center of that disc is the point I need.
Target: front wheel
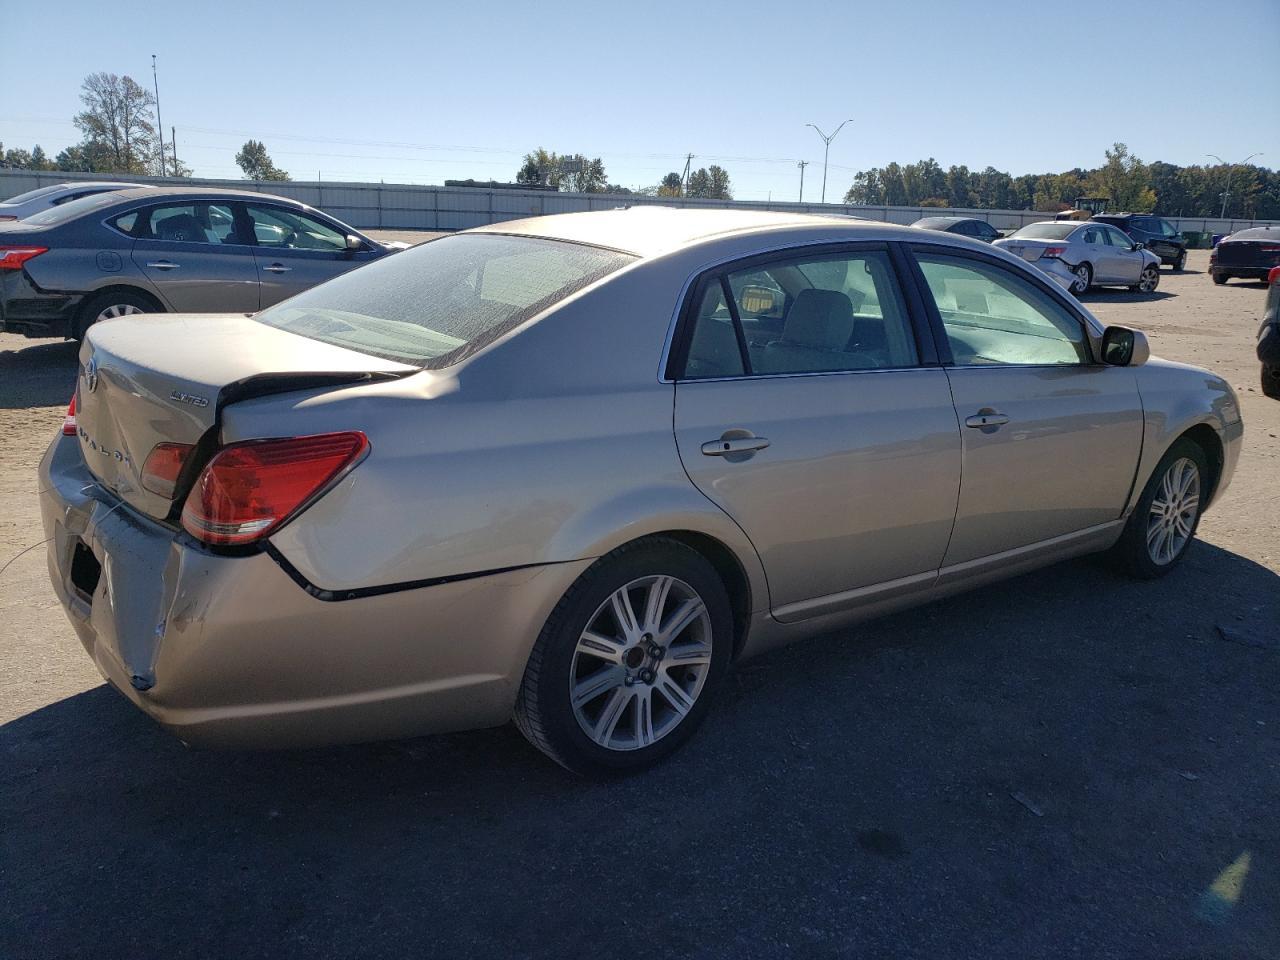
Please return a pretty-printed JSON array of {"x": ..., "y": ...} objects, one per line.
[
  {"x": 1180, "y": 263},
  {"x": 1220, "y": 278},
  {"x": 625, "y": 668},
  {"x": 1083, "y": 279},
  {"x": 1162, "y": 525},
  {"x": 1148, "y": 280}
]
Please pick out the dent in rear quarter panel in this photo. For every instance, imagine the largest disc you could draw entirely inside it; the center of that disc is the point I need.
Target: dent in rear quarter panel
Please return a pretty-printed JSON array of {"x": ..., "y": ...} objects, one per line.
[
  {"x": 1175, "y": 398},
  {"x": 554, "y": 445}
]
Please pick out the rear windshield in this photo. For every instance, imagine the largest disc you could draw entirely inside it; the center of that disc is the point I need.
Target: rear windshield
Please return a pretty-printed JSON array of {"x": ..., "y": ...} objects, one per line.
[
  {"x": 1045, "y": 231},
  {"x": 70, "y": 210},
  {"x": 35, "y": 194},
  {"x": 1257, "y": 233},
  {"x": 438, "y": 302}
]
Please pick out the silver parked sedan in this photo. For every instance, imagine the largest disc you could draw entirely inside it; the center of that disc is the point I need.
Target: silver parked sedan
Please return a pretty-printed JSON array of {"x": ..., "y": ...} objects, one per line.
[
  {"x": 568, "y": 469},
  {"x": 1084, "y": 255}
]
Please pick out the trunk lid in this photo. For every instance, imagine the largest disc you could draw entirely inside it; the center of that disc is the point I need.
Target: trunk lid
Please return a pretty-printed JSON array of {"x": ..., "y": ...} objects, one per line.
[
  {"x": 163, "y": 378},
  {"x": 1249, "y": 253},
  {"x": 1027, "y": 248}
]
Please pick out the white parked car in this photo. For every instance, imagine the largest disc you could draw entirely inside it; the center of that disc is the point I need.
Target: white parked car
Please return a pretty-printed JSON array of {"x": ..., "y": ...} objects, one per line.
[
  {"x": 1083, "y": 255},
  {"x": 37, "y": 201}
]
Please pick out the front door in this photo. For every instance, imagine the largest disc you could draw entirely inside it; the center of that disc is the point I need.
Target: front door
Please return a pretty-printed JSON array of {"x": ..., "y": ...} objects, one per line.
[
  {"x": 802, "y": 410},
  {"x": 295, "y": 251},
  {"x": 1051, "y": 439},
  {"x": 197, "y": 258},
  {"x": 1126, "y": 259}
]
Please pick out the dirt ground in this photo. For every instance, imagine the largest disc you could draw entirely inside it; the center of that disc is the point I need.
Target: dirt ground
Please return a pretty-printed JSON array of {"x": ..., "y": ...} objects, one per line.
[{"x": 1067, "y": 764}]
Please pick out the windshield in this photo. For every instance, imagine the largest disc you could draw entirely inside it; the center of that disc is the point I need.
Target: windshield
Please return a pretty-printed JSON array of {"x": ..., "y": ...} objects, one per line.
[
  {"x": 440, "y": 301},
  {"x": 70, "y": 210},
  {"x": 35, "y": 194},
  {"x": 1046, "y": 231}
]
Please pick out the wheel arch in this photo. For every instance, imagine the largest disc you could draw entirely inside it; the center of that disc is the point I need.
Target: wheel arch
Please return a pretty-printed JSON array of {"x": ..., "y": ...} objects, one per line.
[
  {"x": 112, "y": 288},
  {"x": 1207, "y": 439},
  {"x": 731, "y": 572}
]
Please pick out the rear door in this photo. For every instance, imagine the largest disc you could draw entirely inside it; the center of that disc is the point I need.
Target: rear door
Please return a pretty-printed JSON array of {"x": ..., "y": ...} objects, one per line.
[
  {"x": 1051, "y": 439},
  {"x": 1097, "y": 252},
  {"x": 807, "y": 408},
  {"x": 296, "y": 250},
  {"x": 196, "y": 254}
]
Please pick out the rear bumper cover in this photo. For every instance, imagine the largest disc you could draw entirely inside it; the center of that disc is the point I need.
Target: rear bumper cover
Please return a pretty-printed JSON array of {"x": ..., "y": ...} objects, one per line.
[
  {"x": 228, "y": 651},
  {"x": 27, "y": 309}
]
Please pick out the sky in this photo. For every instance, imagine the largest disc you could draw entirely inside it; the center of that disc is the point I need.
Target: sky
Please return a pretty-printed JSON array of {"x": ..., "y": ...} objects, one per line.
[{"x": 423, "y": 92}]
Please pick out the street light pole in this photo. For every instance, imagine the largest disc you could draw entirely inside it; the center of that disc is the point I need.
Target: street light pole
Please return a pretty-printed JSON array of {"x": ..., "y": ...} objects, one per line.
[
  {"x": 826, "y": 140},
  {"x": 1226, "y": 190},
  {"x": 155, "y": 77}
]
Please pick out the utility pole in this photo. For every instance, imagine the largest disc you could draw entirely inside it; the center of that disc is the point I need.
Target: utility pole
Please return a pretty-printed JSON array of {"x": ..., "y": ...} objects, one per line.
[
  {"x": 684, "y": 177},
  {"x": 1226, "y": 191},
  {"x": 826, "y": 140},
  {"x": 173, "y": 138},
  {"x": 802, "y": 164},
  {"x": 155, "y": 77}
]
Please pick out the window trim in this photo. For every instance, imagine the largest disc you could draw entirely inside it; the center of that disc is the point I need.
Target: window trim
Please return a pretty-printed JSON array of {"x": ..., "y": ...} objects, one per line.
[
  {"x": 1028, "y": 274},
  {"x": 675, "y": 350}
]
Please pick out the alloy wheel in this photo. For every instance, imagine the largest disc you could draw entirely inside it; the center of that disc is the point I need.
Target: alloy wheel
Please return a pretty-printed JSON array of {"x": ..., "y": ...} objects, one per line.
[
  {"x": 1150, "y": 277},
  {"x": 641, "y": 663},
  {"x": 117, "y": 310},
  {"x": 1174, "y": 510},
  {"x": 1082, "y": 280}
]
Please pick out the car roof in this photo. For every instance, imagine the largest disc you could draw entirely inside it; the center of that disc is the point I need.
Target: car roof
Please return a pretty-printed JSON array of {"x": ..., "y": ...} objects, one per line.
[
  {"x": 1255, "y": 233},
  {"x": 213, "y": 193},
  {"x": 944, "y": 220},
  {"x": 651, "y": 230}
]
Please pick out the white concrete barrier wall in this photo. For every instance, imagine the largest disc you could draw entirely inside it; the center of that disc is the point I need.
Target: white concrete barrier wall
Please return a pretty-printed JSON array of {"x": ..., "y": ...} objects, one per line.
[{"x": 409, "y": 207}]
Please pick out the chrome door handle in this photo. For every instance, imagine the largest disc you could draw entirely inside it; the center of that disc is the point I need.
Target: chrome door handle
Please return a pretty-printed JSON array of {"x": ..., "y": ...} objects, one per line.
[
  {"x": 724, "y": 447},
  {"x": 163, "y": 265},
  {"x": 277, "y": 268},
  {"x": 988, "y": 418}
]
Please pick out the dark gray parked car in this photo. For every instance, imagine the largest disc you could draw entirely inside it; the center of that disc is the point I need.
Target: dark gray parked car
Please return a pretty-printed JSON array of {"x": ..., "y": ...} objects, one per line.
[
  {"x": 183, "y": 249},
  {"x": 965, "y": 226}
]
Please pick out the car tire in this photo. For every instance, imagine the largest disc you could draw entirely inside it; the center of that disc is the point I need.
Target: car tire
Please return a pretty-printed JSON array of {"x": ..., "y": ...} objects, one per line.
[
  {"x": 117, "y": 303},
  {"x": 1180, "y": 262},
  {"x": 1083, "y": 279},
  {"x": 603, "y": 698},
  {"x": 1220, "y": 278},
  {"x": 1163, "y": 524},
  {"x": 1271, "y": 380},
  {"x": 1148, "y": 280}
]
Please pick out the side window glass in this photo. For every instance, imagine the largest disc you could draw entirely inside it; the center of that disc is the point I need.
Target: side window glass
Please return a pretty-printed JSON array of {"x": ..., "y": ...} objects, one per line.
[
  {"x": 714, "y": 349},
  {"x": 281, "y": 228},
  {"x": 126, "y": 222},
  {"x": 1118, "y": 239},
  {"x": 1167, "y": 229},
  {"x": 993, "y": 316},
  {"x": 1091, "y": 235},
  {"x": 197, "y": 222}
]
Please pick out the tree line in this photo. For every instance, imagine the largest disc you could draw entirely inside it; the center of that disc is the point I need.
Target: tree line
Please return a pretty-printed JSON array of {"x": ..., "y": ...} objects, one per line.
[
  {"x": 575, "y": 173},
  {"x": 1162, "y": 188}
]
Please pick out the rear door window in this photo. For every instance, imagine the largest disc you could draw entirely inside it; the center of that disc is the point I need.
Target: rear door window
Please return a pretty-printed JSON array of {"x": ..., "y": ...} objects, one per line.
[
  {"x": 200, "y": 221},
  {"x": 827, "y": 314}
]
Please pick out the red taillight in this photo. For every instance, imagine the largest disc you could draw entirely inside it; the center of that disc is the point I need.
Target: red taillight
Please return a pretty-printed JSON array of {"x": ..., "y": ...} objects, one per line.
[
  {"x": 12, "y": 258},
  {"x": 69, "y": 425},
  {"x": 1053, "y": 251},
  {"x": 164, "y": 465},
  {"x": 1273, "y": 276},
  {"x": 249, "y": 489}
]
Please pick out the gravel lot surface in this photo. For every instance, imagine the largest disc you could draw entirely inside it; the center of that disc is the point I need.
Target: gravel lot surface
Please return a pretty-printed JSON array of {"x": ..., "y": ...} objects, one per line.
[{"x": 1064, "y": 765}]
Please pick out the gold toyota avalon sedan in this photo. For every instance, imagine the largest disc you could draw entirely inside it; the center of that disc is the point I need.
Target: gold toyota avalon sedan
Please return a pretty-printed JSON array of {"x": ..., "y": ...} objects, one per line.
[{"x": 567, "y": 470}]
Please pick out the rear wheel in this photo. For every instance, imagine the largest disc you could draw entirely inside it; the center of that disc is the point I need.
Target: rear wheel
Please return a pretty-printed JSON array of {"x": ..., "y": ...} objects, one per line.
[
  {"x": 1271, "y": 380},
  {"x": 112, "y": 304},
  {"x": 1148, "y": 280},
  {"x": 1083, "y": 280},
  {"x": 1163, "y": 523},
  {"x": 626, "y": 666},
  {"x": 1220, "y": 278}
]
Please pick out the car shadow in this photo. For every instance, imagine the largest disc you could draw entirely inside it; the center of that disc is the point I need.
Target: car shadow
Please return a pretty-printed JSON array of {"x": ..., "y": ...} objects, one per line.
[
  {"x": 1120, "y": 295},
  {"x": 1010, "y": 759},
  {"x": 40, "y": 375}
]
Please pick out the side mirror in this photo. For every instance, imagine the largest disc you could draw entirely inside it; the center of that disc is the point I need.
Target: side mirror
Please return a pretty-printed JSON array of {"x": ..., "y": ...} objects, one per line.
[
  {"x": 1139, "y": 245},
  {"x": 354, "y": 242},
  {"x": 1125, "y": 347}
]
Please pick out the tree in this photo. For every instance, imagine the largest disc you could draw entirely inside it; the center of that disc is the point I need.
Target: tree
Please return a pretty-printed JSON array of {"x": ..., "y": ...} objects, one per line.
[
  {"x": 672, "y": 185},
  {"x": 580, "y": 175},
  {"x": 1124, "y": 178},
  {"x": 117, "y": 124},
  {"x": 256, "y": 163},
  {"x": 719, "y": 183}
]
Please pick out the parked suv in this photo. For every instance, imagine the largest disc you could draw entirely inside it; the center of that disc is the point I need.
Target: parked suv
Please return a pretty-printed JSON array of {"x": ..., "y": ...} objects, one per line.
[{"x": 1156, "y": 233}]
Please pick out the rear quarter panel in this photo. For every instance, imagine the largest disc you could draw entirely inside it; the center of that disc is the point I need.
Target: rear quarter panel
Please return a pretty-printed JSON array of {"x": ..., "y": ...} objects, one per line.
[{"x": 552, "y": 445}]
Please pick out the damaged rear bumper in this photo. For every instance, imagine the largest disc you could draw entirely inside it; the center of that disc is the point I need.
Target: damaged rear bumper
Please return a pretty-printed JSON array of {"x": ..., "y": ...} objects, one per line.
[{"x": 230, "y": 651}]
